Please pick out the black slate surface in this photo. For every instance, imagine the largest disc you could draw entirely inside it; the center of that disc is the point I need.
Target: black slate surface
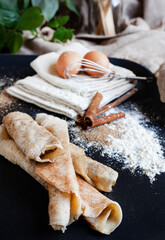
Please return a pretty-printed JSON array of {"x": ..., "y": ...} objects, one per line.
[{"x": 23, "y": 202}]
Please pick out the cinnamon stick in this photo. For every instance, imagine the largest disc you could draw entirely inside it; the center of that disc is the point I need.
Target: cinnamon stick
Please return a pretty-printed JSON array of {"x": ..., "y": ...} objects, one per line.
[
  {"x": 102, "y": 120},
  {"x": 89, "y": 121},
  {"x": 92, "y": 109},
  {"x": 116, "y": 102},
  {"x": 107, "y": 107},
  {"x": 80, "y": 121}
]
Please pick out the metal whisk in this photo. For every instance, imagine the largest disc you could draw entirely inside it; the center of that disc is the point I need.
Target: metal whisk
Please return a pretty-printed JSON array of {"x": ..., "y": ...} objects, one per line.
[{"x": 90, "y": 66}]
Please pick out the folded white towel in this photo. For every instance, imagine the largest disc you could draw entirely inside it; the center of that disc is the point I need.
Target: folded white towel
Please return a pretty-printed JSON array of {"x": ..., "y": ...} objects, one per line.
[
  {"x": 39, "y": 101},
  {"x": 66, "y": 96},
  {"x": 83, "y": 85}
]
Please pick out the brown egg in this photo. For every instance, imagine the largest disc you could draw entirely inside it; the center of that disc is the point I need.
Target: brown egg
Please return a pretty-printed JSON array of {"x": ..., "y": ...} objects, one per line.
[
  {"x": 99, "y": 58},
  {"x": 67, "y": 59}
]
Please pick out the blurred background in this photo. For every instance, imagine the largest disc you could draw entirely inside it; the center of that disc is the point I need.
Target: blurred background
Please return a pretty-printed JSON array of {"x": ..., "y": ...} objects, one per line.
[{"x": 62, "y": 20}]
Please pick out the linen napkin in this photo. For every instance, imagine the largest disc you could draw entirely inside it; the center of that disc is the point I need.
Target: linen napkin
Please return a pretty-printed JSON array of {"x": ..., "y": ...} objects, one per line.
[{"x": 67, "y": 96}]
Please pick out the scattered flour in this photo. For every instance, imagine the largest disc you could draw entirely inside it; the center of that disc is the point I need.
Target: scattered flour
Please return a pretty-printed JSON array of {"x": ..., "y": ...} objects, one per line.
[
  {"x": 128, "y": 137},
  {"x": 140, "y": 148}
]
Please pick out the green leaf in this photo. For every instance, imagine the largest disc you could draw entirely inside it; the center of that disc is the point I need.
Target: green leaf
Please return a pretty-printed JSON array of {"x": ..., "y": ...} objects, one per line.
[
  {"x": 71, "y": 6},
  {"x": 30, "y": 19},
  {"x": 53, "y": 24},
  {"x": 2, "y": 36},
  {"x": 58, "y": 22},
  {"x": 9, "y": 5},
  {"x": 26, "y": 4},
  {"x": 63, "y": 20},
  {"x": 14, "y": 41},
  {"x": 62, "y": 34},
  {"x": 8, "y": 18},
  {"x": 49, "y": 7}
]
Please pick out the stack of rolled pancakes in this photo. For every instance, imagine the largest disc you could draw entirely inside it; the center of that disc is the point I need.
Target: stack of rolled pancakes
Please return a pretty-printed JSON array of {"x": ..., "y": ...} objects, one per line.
[{"x": 41, "y": 147}]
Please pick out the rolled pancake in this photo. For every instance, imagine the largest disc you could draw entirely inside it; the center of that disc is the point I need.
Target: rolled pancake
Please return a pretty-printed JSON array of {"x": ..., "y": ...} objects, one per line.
[
  {"x": 100, "y": 176},
  {"x": 11, "y": 152},
  {"x": 59, "y": 202},
  {"x": 103, "y": 214},
  {"x": 60, "y": 174},
  {"x": 79, "y": 162},
  {"x": 58, "y": 208},
  {"x": 33, "y": 140}
]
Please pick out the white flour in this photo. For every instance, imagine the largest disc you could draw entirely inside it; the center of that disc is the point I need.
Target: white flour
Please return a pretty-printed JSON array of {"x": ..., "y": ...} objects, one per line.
[{"x": 139, "y": 147}]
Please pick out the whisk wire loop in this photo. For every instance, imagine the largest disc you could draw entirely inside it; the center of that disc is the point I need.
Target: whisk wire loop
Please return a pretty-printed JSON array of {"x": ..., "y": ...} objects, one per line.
[
  {"x": 88, "y": 66},
  {"x": 106, "y": 75}
]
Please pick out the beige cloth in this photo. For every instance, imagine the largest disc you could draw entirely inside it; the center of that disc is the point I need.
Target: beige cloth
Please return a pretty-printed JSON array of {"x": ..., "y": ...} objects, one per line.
[
  {"x": 137, "y": 43},
  {"x": 145, "y": 47},
  {"x": 154, "y": 12}
]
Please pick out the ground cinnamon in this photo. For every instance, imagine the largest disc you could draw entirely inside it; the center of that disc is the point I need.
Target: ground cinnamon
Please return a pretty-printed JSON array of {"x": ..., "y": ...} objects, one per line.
[{"x": 7, "y": 103}]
